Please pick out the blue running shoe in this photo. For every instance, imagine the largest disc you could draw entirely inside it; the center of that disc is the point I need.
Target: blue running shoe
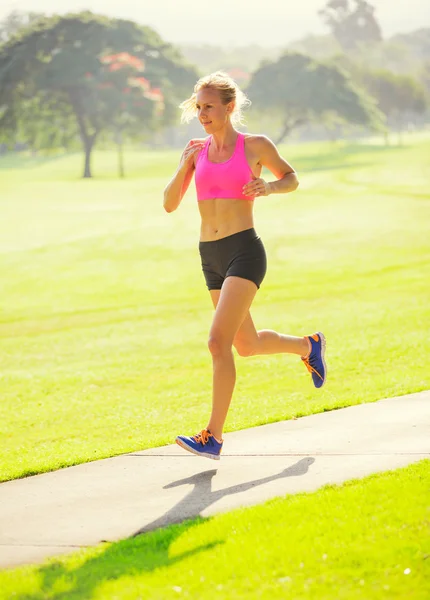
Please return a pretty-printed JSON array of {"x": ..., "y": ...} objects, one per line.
[
  {"x": 202, "y": 444},
  {"x": 315, "y": 362}
]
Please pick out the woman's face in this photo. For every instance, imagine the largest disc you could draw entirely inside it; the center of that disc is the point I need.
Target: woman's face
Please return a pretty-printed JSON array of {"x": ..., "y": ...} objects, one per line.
[{"x": 212, "y": 113}]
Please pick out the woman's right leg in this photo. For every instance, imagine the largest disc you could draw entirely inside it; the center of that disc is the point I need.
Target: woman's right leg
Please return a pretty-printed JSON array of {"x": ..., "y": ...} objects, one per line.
[
  {"x": 250, "y": 342},
  {"x": 311, "y": 348}
]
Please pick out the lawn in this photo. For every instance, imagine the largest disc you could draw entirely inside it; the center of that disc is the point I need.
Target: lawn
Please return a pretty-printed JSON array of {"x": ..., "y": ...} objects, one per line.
[
  {"x": 368, "y": 539},
  {"x": 104, "y": 313}
]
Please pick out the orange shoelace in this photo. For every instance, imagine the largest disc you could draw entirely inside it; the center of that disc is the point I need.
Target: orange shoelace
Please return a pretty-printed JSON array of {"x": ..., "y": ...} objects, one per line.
[
  {"x": 310, "y": 367},
  {"x": 202, "y": 437}
]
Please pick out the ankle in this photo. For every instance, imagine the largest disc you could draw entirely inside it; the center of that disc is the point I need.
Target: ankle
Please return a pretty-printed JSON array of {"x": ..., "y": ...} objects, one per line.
[
  {"x": 306, "y": 347},
  {"x": 216, "y": 434}
]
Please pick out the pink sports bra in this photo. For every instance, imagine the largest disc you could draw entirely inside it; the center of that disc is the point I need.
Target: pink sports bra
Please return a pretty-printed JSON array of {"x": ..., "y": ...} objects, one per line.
[{"x": 226, "y": 179}]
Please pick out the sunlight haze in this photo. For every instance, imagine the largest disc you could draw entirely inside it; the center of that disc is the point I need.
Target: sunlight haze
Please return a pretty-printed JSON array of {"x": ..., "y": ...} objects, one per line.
[{"x": 231, "y": 23}]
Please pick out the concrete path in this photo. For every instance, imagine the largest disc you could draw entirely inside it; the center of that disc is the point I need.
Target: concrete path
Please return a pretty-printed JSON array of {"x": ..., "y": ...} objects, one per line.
[{"x": 115, "y": 498}]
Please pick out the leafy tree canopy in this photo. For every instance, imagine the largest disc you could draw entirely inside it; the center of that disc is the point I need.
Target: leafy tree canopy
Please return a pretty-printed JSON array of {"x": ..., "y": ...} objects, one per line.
[
  {"x": 302, "y": 90},
  {"x": 417, "y": 41},
  {"x": 396, "y": 94},
  {"x": 55, "y": 79},
  {"x": 352, "y": 22},
  {"x": 15, "y": 21}
]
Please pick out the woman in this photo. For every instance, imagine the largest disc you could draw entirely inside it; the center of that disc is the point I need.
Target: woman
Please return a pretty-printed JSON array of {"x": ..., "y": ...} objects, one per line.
[{"x": 227, "y": 166}]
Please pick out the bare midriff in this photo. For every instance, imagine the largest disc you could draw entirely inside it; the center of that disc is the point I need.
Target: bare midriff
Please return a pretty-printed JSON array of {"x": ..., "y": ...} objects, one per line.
[{"x": 224, "y": 216}]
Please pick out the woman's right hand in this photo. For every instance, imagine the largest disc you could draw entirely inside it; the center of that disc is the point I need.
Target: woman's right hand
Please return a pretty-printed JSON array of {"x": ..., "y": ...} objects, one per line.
[{"x": 191, "y": 150}]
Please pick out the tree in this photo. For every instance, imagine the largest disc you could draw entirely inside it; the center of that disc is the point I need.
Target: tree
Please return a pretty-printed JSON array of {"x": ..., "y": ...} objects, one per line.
[
  {"x": 321, "y": 47},
  {"x": 352, "y": 22},
  {"x": 302, "y": 90},
  {"x": 15, "y": 21},
  {"x": 399, "y": 97},
  {"x": 401, "y": 53},
  {"x": 126, "y": 100},
  {"x": 56, "y": 72},
  {"x": 425, "y": 76},
  {"x": 418, "y": 42}
]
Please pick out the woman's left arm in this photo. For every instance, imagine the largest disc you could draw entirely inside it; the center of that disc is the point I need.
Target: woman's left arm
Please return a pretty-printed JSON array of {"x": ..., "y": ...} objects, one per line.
[{"x": 286, "y": 177}]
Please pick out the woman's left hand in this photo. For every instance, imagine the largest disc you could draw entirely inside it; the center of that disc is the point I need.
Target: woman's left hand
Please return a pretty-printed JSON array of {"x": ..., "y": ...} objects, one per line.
[{"x": 256, "y": 187}]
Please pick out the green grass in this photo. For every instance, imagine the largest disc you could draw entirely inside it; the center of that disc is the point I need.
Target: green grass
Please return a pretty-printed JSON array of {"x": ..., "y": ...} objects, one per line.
[
  {"x": 104, "y": 314},
  {"x": 368, "y": 539}
]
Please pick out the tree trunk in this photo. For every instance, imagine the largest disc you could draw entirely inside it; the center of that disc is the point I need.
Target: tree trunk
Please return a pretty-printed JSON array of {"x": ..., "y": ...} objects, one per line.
[
  {"x": 88, "y": 139},
  {"x": 88, "y": 143},
  {"x": 287, "y": 129},
  {"x": 386, "y": 138},
  {"x": 121, "y": 171},
  {"x": 398, "y": 125},
  {"x": 332, "y": 134},
  {"x": 399, "y": 132}
]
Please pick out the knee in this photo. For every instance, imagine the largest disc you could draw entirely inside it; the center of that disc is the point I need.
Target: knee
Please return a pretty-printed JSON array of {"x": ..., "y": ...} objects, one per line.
[{"x": 217, "y": 345}]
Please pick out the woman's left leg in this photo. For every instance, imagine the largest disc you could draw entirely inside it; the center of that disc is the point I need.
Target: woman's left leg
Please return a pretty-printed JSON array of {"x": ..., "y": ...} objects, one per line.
[{"x": 232, "y": 307}]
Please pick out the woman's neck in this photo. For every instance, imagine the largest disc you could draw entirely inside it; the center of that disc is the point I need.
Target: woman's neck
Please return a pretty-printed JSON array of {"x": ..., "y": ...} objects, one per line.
[{"x": 224, "y": 138}]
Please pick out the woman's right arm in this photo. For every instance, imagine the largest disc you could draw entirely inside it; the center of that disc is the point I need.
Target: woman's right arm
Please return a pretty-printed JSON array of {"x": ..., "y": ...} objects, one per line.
[{"x": 178, "y": 185}]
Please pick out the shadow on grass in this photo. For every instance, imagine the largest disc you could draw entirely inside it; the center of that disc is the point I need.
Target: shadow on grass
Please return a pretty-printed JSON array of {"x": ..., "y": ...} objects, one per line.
[
  {"x": 128, "y": 558},
  {"x": 148, "y": 548},
  {"x": 330, "y": 157},
  {"x": 24, "y": 160},
  {"x": 313, "y": 164},
  {"x": 339, "y": 157}
]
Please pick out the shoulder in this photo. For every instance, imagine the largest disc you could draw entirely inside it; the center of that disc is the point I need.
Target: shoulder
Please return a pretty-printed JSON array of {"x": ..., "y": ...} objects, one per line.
[
  {"x": 267, "y": 154},
  {"x": 258, "y": 142},
  {"x": 193, "y": 142},
  {"x": 261, "y": 147},
  {"x": 197, "y": 140},
  {"x": 200, "y": 143}
]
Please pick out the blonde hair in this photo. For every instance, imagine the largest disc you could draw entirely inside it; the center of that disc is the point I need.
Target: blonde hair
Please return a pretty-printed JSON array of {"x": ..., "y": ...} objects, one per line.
[{"x": 228, "y": 90}]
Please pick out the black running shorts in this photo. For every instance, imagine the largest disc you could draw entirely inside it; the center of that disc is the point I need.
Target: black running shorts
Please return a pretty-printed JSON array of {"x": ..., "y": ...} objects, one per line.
[{"x": 240, "y": 255}]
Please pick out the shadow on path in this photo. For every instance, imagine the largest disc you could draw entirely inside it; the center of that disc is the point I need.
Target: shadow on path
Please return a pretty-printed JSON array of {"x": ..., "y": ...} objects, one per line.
[
  {"x": 201, "y": 496},
  {"x": 145, "y": 553}
]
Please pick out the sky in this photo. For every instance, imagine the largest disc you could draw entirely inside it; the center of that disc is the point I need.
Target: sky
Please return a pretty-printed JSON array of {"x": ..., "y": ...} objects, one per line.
[{"x": 231, "y": 22}]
